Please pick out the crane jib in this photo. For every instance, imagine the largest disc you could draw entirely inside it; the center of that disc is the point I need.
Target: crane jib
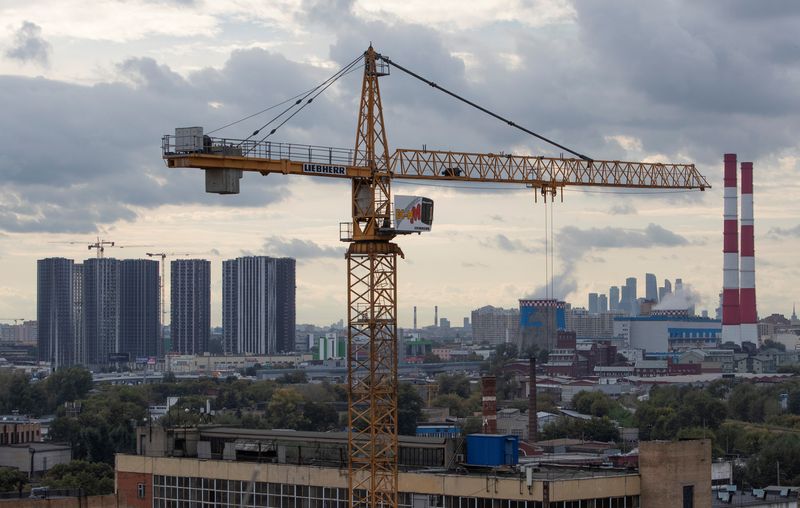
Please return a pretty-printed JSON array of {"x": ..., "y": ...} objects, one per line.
[{"x": 324, "y": 169}]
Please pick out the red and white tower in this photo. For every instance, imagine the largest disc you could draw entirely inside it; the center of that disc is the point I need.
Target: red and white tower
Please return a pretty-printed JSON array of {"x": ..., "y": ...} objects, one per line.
[
  {"x": 730, "y": 256},
  {"x": 747, "y": 275}
]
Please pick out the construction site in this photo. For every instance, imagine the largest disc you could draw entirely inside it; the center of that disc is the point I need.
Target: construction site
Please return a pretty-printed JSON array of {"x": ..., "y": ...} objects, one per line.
[{"x": 369, "y": 466}]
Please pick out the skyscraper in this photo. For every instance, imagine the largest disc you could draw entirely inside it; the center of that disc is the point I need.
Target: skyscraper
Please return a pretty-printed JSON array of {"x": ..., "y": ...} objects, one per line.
[
  {"x": 613, "y": 297},
  {"x": 624, "y": 300},
  {"x": 54, "y": 281},
  {"x": 258, "y": 304},
  {"x": 651, "y": 287},
  {"x": 593, "y": 303},
  {"x": 664, "y": 290},
  {"x": 190, "y": 322},
  {"x": 139, "y": 317},
  {"x": 101, "y": 309},
  {"x": 632, "y": 301},
  {"x": 79, "y": 325},
  {"x": 602, "y": 304}
]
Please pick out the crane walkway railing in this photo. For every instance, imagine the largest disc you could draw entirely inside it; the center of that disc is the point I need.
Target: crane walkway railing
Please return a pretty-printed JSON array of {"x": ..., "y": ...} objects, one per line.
[{"x": 172, "y": 146}]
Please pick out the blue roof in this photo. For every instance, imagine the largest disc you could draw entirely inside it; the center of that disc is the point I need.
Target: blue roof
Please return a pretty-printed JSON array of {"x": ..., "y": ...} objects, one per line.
[{"x": 694, "y": 319}]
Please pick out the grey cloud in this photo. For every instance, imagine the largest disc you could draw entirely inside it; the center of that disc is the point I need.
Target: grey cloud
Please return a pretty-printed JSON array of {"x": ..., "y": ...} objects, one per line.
[
  {"x": 147, "y": 73},
  {"x": 784, "y": 232},
  {"x": 622, "y": 209},
  {"x": 502, "y": 242},
  {"x": 299, "y": 249},
  {"x": 88, "y": 155},
  {"x": 574, "y": 242},
  {"x": 29, "y": 45}
]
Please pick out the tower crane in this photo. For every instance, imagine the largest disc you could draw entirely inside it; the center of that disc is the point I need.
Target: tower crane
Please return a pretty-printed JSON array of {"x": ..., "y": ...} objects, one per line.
[
  {"x": 99, "y": 245},
  {"x": 372, "y": 255}
]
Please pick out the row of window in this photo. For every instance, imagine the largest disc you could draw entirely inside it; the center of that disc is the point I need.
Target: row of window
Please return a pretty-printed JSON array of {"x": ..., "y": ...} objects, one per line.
[{"x": 186, "y": 492}]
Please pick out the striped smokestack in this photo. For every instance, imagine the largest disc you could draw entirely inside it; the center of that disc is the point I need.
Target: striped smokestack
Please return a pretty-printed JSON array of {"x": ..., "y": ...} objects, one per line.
[
  {"x": 489, "y": 404},
  {"x": 747, "y": 294},
  {"x": 533, "y": 417},
  {"x": 730, "y": 256}
]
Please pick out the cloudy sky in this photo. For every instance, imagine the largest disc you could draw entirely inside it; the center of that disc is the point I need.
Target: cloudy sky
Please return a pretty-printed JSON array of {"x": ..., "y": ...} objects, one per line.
[{"x": 88, "y": 87}]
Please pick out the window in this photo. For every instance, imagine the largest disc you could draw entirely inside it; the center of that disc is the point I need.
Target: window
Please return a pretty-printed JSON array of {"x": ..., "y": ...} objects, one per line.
[
  {"x": 140, "y": 490},
  {"x": 688, "y": 496}
]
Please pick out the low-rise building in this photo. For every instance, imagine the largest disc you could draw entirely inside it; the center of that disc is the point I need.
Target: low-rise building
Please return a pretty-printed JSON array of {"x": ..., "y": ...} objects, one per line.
[
  {"x": 35, "y": 459},
  {"x": 223, "y": 466},
  {"x": 16, "y": 429}
]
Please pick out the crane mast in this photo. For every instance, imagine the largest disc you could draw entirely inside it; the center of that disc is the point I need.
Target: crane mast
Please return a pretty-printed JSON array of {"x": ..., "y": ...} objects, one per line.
[
  {"x": 372, "y": 311},
  {"x": 372, "y": 256}
]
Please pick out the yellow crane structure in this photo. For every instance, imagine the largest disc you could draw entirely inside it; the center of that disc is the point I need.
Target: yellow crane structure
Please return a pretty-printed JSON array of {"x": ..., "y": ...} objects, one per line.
[{"x": 372, "y": 255}]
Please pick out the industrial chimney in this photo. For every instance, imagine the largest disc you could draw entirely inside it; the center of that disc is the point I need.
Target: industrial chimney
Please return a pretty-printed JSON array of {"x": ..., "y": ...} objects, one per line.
[
  {"x": 415, "y": 317},
  {"x": 533, "y": 419},
  {"x": 747, "y": 275},
  {"x": 730, "y": 256},
  {"x": 435, "y": 315},
  {"x": 489, "y": 403}
]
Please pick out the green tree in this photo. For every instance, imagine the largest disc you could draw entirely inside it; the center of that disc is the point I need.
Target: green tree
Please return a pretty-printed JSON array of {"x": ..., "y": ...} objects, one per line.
[
  {"x": 320, "y": 416},
  {"x": 762, "y": 467},
  {"x": 409, "y": 409},
  {"x": 594, "y": 429},
  {"x": 67, "y": 385},
  {"x": 93, "y": 478},
  {"x": 12, "y": 479},
  {"x": 294, "y": 377},
  {"x": 284, "y": 409},
  {"x": 457, "y": 384}
]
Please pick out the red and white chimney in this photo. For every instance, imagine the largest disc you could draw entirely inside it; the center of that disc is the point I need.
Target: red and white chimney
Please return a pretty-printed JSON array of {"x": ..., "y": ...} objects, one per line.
[
  {"x": 489, "y": 404},
  {"x": 747, "y": 275},
  {"x": 730, "y": 256}
]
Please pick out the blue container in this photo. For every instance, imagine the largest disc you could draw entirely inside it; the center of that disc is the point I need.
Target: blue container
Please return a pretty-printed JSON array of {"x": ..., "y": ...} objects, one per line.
[{"x": 492, "y": 450}]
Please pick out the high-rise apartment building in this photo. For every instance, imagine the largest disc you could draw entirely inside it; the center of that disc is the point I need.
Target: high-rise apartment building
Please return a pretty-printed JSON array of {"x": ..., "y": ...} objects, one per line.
[
  {"x": 650, "y": 287},
  {"x": 602, "y": 303},
  {"x": 101, "y": 309},
  {"x": 594, "y": 303},
  {"x": 54, "y": 281},
  {"x": 613, "y": 298},
  {"x": 258, "y": 304},
  {"x": 139, "y": 310},
  {"x": 190, "y": 323},
  {"x": 79, "y": 324},
  {"x": 495, "y": 325}
]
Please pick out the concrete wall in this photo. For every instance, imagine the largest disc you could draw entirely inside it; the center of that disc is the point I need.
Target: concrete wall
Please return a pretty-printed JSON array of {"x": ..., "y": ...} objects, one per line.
[
  {"x": 107, "y": 501},
  {"x": 666, "y": 467},
  {"x": 478, "y": 486},
  {"x": 43, "y": 460}
]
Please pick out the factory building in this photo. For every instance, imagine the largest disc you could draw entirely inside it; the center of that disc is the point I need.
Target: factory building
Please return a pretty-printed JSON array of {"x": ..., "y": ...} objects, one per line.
[
  {"x": 656, "y": 332},
  {"x": 539, "y": 323},
  {"x": 219, "y": 466}
]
